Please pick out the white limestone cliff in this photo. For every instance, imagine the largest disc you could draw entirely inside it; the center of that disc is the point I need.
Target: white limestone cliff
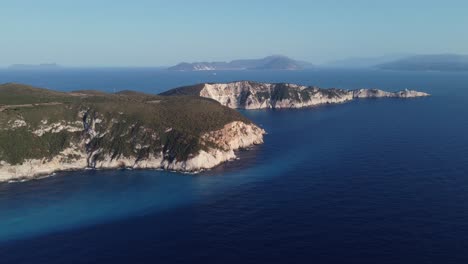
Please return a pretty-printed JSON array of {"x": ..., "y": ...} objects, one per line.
[
  {"x": 233, "y": 136},
  {"x": 253, "y": 95}
]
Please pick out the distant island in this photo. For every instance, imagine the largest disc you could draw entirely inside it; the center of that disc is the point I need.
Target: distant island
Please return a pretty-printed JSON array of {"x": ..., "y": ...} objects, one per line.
[
  {"x": 442, "y": 62},
  {"x": 255, "y": 95},
  {"x": 45, "y": 66},
  {"x": 276, "y": 62},
  {"x": 362, "y": 62},
  {"x": 186, "y": 129}
]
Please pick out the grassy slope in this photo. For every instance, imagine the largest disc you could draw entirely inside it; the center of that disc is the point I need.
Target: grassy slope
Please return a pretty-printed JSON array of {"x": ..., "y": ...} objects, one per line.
[
  {"x": 188, "y": 117},
  {"x": 193, "y": 90},
  {"x": 15, "y": 94}
]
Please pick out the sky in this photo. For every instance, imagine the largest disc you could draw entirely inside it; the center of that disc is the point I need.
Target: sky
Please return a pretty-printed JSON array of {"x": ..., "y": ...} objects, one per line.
[{"x": 165, "y": 32}]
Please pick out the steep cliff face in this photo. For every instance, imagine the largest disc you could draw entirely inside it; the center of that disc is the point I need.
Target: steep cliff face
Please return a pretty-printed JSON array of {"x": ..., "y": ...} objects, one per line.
[
  {"x": 119, "y": 131},
  {"x": 82, "y": 153},
  {"x": 253, "y": 95}
]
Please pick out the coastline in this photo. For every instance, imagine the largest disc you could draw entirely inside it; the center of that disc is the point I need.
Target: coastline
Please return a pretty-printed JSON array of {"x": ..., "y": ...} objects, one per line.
[
  {"x": 233, "y": 137},
  {"x": 252, "y": 95},
  {"x": 214, "y": 147},
  {"x": 157, "y": 167}
]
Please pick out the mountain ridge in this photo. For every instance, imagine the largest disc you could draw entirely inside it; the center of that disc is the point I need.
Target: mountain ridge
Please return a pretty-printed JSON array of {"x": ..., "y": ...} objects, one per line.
[
  {"x": 434, "y": 62},
  {"x": 275, "y": 62}
]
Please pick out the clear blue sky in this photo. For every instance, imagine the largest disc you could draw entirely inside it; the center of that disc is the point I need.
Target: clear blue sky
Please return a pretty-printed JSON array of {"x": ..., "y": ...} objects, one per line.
[{"x": 164, "y": 32}]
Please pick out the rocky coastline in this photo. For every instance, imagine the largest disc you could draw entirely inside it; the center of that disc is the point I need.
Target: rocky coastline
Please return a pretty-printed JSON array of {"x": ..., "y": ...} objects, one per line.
[
  {"x": 255, "y": 95},
  {"x": 187, "y": 129},
  {"x": 232, "y": 137}
]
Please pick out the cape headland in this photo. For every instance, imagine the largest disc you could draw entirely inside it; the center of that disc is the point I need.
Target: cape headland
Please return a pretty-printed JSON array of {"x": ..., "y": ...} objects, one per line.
[{"x": 256, "y": 95}]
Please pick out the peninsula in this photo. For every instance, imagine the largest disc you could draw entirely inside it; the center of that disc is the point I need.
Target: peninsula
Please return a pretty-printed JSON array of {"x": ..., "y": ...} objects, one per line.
[{"x": 255, "y": 95}]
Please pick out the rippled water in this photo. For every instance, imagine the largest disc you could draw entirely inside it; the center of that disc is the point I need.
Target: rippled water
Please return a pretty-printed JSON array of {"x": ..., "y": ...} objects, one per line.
[{"x": 371, "y": 181}]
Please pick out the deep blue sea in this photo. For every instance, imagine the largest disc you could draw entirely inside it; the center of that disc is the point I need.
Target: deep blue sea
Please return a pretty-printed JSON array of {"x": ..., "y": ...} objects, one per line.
[{"x": 371, "y": 181}]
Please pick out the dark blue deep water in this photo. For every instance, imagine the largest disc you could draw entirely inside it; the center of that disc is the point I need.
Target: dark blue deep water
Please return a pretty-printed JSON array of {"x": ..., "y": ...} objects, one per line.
[{"x": 371, "y": 181}]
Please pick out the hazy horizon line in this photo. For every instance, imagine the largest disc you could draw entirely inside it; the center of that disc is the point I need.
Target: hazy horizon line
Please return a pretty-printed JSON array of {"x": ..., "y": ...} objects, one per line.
[{"x": 58, "y": 65}]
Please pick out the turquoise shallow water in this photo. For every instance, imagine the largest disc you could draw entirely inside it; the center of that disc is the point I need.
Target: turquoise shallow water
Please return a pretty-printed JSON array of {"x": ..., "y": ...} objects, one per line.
[{"x": 371, "y": 181}]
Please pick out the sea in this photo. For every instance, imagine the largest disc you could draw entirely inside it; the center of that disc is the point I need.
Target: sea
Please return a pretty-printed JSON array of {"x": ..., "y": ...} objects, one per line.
[{"x": 370, "y": 181}]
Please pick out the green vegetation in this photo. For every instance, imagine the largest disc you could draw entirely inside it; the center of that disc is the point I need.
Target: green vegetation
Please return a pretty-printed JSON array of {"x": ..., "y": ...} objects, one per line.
[
  {"x": 18, "y": 94},
  {"x": 193, "y": 90},
  {"x": 129, "y": 124},
  {"x": 18, "y": 144},
  {"x": 331, "y": 93},
  {"x": 282, "y": 91}
]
